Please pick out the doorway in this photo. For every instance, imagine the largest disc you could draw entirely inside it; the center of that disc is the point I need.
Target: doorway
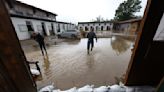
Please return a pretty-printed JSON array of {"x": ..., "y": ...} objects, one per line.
[
  {"x": 86, "y": 28},
  {"x": 53, "y": 31},
  {"x": 108, "y": 28},
  {"x": 43, "y": 28},
  {"x": 29, "y": 28},
  {"x": 102, "y": 28},
  {"x": 58, "y": 30}
]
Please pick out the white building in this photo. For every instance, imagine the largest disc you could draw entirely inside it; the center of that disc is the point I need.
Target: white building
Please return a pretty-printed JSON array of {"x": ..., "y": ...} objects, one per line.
[
  {"x": 27, "y": 19},
  {"x": 63, "y": 26},
  {"x": 96, "y": 26}
]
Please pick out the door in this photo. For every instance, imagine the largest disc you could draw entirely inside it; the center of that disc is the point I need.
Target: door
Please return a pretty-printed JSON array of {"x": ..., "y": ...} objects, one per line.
[
  {"x": 44, "y": 29},
  {"x": 29, "y": 28}
]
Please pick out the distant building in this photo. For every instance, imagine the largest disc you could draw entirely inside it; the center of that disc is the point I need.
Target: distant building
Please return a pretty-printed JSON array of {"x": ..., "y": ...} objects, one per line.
[
  {"x": 96, "y": 26},
  {"x": 129, "y": 26},
  {"x": 27, "y": 19},
  {"x": 63, "y": 26}
]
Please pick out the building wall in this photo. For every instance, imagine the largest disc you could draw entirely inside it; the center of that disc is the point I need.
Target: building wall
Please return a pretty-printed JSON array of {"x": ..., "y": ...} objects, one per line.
[
  {"x": 95, "y": 26},
  {"x": 134, "y": 27},
  {"x": 36, "y": 17},
  {"x": 61, "y": 27},
  {"x": 20, "y": 28},
  {"x": 37, "y": 26},
  {"x": 24, "y": 10},
  {"x": 52, "y": 17},
  {"x": 64, "y": 26},
  {"x": 48, "y": 27},
  {"x": 159, "y": 35},
  {"x": 22, "y": 31},
  {"x": 40, "y": 14},
  {"x": 125, "y": 28},
  {"x": 129, "y": 28},
  {"x": 55, "y": 27}
]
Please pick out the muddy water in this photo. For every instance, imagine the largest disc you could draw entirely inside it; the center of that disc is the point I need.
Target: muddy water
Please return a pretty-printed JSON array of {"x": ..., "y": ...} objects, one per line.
[{"x": 68, "y": 64}]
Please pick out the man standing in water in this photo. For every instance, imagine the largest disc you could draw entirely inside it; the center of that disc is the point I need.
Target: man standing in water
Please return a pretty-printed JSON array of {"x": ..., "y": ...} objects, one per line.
[
  {"x": 40, "y": 39},
  {"x": 91, "y": 35}
]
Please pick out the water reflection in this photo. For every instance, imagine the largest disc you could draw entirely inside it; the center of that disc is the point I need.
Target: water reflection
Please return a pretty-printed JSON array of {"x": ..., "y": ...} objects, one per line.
[
  {"x": 71, "y": 41},
  {"x": 39, "y": 78},
  {"x": 46, "y": 64},
  {"x": 119, "y": 44},
  {"x": 90, "y": 61}
]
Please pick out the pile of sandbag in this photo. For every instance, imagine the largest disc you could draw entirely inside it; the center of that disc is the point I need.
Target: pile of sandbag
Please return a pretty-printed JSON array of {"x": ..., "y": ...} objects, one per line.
[
  {"x": 87, "y": 88},
  {"x": 90, "y": 88},
  {"x": 35, "y": 72}
]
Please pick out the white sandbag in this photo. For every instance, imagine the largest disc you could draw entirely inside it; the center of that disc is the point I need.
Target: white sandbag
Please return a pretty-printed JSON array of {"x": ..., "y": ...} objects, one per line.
[
  {"x": 48, "y": 88},
  {"x": 121, "y": 84},
  {"x": 35, "y": 72},
  {"x": 117, "y": 88},
  {"x": 70, "y": 90},
  {"x": 86, "y": 88},
  {"x": 57, "y": 90},
  {"x": 101, "y": 89}
]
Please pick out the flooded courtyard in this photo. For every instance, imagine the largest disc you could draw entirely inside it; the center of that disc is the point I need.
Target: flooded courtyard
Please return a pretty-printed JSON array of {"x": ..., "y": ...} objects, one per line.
[{"x": 68, "y": 64}]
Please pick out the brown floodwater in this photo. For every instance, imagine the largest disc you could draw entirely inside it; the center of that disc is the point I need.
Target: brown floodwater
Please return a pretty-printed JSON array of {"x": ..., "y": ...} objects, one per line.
[{"x": 68, "y": 64}]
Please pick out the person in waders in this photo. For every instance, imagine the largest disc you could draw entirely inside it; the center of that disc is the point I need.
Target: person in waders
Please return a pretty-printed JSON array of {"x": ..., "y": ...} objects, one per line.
[
  {"x": 91, "y": 35},
  {"x": 40, "y": 40}
]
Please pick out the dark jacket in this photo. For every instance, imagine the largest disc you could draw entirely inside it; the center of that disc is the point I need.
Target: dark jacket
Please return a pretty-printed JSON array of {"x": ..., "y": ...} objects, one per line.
[
  {"x": 91, "y": 35},
  {"x": 39, "y": 38}
]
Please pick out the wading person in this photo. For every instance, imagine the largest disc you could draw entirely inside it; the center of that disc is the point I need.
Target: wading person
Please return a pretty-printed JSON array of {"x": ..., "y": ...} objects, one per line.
[
  {"x": 91, "y": 35},
  {"x": 40, "y": 40}
]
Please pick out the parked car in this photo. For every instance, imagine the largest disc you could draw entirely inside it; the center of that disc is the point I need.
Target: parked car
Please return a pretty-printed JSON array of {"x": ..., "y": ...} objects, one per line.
[{"x": 69, "y": 34}]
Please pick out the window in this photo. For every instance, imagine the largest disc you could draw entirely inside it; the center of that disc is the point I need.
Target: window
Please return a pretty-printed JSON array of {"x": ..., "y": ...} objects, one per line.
[
  {"x": 91, "y": 28},
  {"x": 47, "y": 14},
  {"x": 81, "y": 29},
  {"x": 29, "y": 14},
  {"x": 19, "y": 12},
  {"x": 22, "y": 28},
  {"x": 28, "y": 22}
]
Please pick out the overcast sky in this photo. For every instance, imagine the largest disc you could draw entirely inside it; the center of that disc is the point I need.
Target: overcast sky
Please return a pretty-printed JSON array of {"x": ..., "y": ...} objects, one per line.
[{"x": 80, "y": 10}]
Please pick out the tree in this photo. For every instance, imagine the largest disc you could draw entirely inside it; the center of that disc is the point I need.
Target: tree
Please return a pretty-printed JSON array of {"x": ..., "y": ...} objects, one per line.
[
  {"x": 127, "y": 10},
  {"x": 98, "y": 19}
]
